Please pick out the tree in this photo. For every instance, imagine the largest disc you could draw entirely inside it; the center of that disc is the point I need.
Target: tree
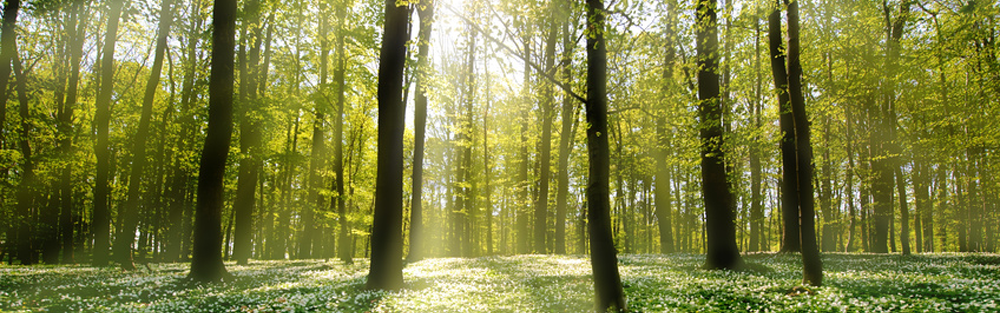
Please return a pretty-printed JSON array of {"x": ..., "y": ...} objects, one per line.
[
  {"x": 812, "y": 264},
  {"x": 663, "y": 210},
  {"x": 250, "y": 132},
  {"x": 8, "y": 37},
  {"x": 386, "y": 269},
  {"x": 206, "y": 261},
  {"x": 545, "y": 146},
  {"x": 603, "y": 256},
  {"x": 721, "y": 245},
  {"x": 75, "y": 31},
  {"x": 789, "y": 173},
  {"x": 566, "y": 136},
  {"x": 346, "y": 251},
  {"x": 126, "y": 235},
  {"x": 102, "y": 118}
]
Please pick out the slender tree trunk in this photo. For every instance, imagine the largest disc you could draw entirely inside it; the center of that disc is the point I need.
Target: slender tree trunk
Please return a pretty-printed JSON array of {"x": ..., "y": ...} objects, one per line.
[
  {"x": 852, "y": 227},
  {"x": 756, "y": 198},
  {"x": 346, "y": 251},
  {"x": 101, "y": 216},
  {"x": 789, "y": 196},
  {"x": 662, "y": 196},
  {"x": 126, "y": 235},
  {"x": 76, "y": 31},
  {"x": 206, "y": 261},
  {"x": 417, "y": 235},
  {"x": 523, "y": 220},
  {"x": 545, "y": 146},
  {"x": 603, "y": 257},
  {"x": 250, "y": 160},
  {"x": 925, "y": 206},
  {"x": 812, "y": 264},
  {"x": 386, "y": 272},
  {"x": 716, "y": 193},
  {"x": 566, "y": 135}
]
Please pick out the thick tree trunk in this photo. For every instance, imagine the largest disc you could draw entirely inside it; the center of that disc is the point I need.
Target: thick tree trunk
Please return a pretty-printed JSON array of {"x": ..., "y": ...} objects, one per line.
[
  {"x": 722, "y": 252},
  {"x": 386, "y": 272},
  {"x": 603, "y": 257},
  {"x": 812, "y": 264},
  {"x": 126, "y": 235},
  {"x": 8, "y": 36},
  {"x": 417, "y": 235},
  {"x": 206, "y": 261},
  {"x": 102, "y": 118}
]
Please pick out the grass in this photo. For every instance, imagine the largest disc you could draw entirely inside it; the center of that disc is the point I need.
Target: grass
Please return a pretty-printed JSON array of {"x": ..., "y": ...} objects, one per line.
[{"x": 530, "y": 283}]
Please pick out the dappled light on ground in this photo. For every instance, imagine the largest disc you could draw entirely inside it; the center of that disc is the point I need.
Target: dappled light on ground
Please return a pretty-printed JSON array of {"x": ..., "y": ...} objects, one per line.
[{"x": 529, "y": 283}]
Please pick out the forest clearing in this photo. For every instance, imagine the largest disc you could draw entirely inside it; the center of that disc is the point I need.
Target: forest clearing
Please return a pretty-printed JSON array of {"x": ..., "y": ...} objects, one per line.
[{"x": 527, "y": 283}]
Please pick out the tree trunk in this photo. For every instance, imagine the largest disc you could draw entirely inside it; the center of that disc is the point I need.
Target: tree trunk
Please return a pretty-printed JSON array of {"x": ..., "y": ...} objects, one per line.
[
  {"x": 346, "y": 251},
  {"x": 26, "y": 194},
  {"x": 521, "y": 207},
  {"x": 386, "y": 272},
  {"x": 126, "y": 235},
  {"x": 8, "y": 37},
  {"x": 545, "y": 151},
  {"x": 426, "y": 13},
  {"x": 250, "y": 134},
  {"x": 789, "y": 196},
  {"x": 102, "y": 118},
  {"x": 722, "y": 252},
  {"x": 566, "y": 135},
  {"x": 662, "y": 196},
  {"x": 206, "y": 261},
  {"x": 756, "y": 198},
  {"x": 603, "y": 257},
  {"x": 66, "y": 120},
  {"x": 812, "y": 264}
]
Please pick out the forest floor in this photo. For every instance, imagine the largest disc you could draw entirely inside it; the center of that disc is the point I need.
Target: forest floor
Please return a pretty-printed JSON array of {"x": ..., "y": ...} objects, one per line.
[{"x": 530, "y": 283}]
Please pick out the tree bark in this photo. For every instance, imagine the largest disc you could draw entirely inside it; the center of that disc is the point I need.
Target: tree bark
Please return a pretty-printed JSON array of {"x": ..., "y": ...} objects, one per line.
[
  {"x": 812, "y": 264},
  {"x": 386, "y": 271},
  {"x": 206, "y": 261},
  {"x": 603, "y": 257},
  {"x": 717, "y": 195},
  {"x": 8, "y": 37}
]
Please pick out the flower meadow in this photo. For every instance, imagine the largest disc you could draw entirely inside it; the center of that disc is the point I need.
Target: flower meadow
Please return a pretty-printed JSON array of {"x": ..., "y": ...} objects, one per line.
[{"x": 527, "y": 283}]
